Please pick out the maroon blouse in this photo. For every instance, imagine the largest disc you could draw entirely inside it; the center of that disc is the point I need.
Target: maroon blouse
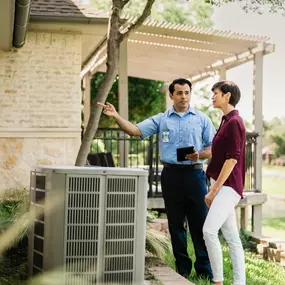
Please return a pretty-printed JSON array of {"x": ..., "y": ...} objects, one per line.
[{"x": 229, "y": 142}]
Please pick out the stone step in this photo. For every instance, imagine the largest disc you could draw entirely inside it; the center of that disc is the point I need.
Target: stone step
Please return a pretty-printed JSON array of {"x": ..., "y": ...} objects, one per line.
[
  {"x": 282, "y": 258},
  {"x": 274, "y": 254},
  {"x": 167, "y": 276}
]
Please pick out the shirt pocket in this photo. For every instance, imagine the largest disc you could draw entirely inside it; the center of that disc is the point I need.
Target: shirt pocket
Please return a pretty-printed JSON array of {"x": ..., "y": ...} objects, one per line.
[
  {"x": 172, "y": 129},
  {"x": 193, "y": 133}
]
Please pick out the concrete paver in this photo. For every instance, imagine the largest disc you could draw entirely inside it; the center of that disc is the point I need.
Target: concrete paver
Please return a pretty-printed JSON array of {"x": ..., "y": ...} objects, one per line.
[{"x": 167, "y": 276}]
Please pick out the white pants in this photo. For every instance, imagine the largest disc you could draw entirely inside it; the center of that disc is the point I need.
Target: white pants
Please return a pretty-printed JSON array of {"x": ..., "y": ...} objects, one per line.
[{"x": 222, "y": 216}]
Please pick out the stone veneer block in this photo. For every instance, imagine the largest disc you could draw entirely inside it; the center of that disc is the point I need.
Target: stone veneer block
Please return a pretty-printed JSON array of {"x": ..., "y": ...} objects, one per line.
[
  {"x": 278, "y": 244},
  {"x": 282, "y": 258},
  {"x": 262, "y": 249},
  {"x": 163, "y": 223},
  {"x": 167, "y": 276},
  {"x": 274, "y": 254}
]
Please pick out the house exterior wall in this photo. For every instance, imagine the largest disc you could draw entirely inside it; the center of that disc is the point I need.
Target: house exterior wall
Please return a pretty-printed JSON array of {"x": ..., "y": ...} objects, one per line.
[{"x": 40, "y": 105}]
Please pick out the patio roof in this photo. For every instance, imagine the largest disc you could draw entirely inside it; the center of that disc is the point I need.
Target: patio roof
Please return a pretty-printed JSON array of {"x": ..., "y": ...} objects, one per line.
[{"x": 163, "y": 51}]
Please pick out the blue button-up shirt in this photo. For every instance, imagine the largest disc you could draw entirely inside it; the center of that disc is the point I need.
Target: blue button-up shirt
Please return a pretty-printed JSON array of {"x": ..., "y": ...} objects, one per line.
[{"x": 194, "y": 128}]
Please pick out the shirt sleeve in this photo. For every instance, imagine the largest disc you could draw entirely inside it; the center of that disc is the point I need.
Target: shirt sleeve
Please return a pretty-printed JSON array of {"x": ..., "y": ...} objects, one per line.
[
  {"x": 234, "y": 138},
  {"x": 209, "y": 132},
  {"x": 150, "y": 126}
]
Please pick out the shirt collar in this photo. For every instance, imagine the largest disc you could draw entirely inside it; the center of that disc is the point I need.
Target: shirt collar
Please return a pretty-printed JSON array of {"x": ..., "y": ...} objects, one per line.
[
  {"x": 230, "y": 115},
  {"x": 190, "y": 110}
]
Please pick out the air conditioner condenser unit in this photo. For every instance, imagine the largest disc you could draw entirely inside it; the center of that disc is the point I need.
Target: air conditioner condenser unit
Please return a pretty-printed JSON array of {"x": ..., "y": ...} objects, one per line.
[{"x": 91, "y": 224}]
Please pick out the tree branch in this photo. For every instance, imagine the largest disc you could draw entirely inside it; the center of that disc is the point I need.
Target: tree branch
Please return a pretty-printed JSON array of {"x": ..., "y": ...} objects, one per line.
[
  {"x": 146, "y": 12},
  {"x": 125, "y": 3},
  {"x": 121, "y": 3}
]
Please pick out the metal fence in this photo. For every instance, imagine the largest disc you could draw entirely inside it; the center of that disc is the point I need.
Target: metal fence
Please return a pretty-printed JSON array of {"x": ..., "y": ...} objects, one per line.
[
  {"x": 111, "y": 140},
  {"x": 145, "y": 154},
  {"x": 250, "y": 161}
]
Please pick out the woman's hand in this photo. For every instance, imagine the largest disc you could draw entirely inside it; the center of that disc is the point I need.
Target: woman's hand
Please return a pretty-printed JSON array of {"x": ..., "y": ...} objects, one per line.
[{"x": 209, "y": 198}]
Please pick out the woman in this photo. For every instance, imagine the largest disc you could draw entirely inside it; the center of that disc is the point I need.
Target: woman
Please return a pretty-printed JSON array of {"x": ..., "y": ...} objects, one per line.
[{"x": 227, "y": 175}]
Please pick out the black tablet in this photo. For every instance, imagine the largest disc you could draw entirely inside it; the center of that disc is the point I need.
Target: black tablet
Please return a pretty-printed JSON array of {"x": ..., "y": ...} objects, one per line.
[{"x": 183, "y": 151}]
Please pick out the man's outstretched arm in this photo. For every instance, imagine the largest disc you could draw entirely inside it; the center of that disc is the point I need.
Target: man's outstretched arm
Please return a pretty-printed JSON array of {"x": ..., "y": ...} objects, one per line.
[{"x": 129, "y": 128}]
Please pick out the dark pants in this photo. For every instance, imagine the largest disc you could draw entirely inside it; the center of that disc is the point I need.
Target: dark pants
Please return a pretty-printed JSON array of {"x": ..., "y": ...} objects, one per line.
[{"x": 183, "y": 191}]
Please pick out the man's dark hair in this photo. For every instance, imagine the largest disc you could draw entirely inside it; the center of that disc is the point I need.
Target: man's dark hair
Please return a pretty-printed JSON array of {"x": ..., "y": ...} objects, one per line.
[
  {"x": 231, "y": 87},
  {"x": 180, "y": 81}
]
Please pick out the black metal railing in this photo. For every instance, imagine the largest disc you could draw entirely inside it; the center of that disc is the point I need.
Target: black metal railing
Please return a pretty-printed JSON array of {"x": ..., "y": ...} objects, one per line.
[
  {"x": 250, "y": 161},
  {"x": 145, "y": 154},
  {"x": 113, "y": 139}
]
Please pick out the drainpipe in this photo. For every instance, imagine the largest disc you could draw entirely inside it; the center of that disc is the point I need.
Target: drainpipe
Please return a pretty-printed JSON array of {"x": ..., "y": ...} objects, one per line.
[{"x": 22, "y": 13}]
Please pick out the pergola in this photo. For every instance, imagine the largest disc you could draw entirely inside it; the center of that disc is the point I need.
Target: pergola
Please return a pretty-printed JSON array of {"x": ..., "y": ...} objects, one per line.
[
  {"x": 164, "y": 51},
  {"x": 196, "y": 53}
]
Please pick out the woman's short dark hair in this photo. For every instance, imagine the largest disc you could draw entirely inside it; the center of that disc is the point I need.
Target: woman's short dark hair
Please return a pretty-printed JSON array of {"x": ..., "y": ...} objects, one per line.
[
  {"x": 231, "y": 87},
  {"x": 180, "y": 81}
]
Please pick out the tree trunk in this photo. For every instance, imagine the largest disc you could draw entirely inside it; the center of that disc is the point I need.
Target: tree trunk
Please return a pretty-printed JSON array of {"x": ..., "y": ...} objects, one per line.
[
  {"x": 114, "y": 38},
  {"x": 104, "y": 88}
]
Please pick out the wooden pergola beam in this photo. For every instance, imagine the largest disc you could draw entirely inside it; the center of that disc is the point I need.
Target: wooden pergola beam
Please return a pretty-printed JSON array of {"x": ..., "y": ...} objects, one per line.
[
  {"x": 233, "y": 62},
  {"x": 222, "y": 48},
  {"x": 219, "y": 37}
]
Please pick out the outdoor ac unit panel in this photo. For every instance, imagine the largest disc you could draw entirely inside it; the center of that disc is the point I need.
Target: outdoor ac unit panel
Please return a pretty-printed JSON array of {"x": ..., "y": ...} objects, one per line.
[{"x": 93, "y": 224}]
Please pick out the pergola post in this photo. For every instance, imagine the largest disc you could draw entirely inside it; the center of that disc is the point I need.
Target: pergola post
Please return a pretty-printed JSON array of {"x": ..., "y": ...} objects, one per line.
[
  {"x": 258, "y": 127},
  {"x": 86, "y": 98},
  {"x": 222, "y": 77},
  {"x": 168, "y": 101},
  {"x": 223, "y": 73},
  {"x": 123, "y": 99}
]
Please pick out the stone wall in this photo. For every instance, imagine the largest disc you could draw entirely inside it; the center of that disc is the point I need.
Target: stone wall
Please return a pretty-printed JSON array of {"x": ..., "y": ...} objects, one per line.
[{"x": 40, "y": 103}]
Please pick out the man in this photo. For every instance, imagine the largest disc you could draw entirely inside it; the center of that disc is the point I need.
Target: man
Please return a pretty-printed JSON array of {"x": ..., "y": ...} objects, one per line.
[{"x": 184, "y": 183}]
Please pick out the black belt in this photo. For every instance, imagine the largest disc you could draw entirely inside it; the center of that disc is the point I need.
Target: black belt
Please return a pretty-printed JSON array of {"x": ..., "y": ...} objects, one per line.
[{"x": 185, "y": 166}]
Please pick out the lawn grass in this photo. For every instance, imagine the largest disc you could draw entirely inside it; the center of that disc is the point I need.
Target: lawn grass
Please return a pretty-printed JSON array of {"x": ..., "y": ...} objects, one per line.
[
  {"x": 273, "y": 185},
  {"x": 274, "y": 227},
  {"x": 273, "y": 182},
  {"x": 275, "y": 223},
  {"x": 258, "y": 271},
  {"x": 275, "y": 169}
]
